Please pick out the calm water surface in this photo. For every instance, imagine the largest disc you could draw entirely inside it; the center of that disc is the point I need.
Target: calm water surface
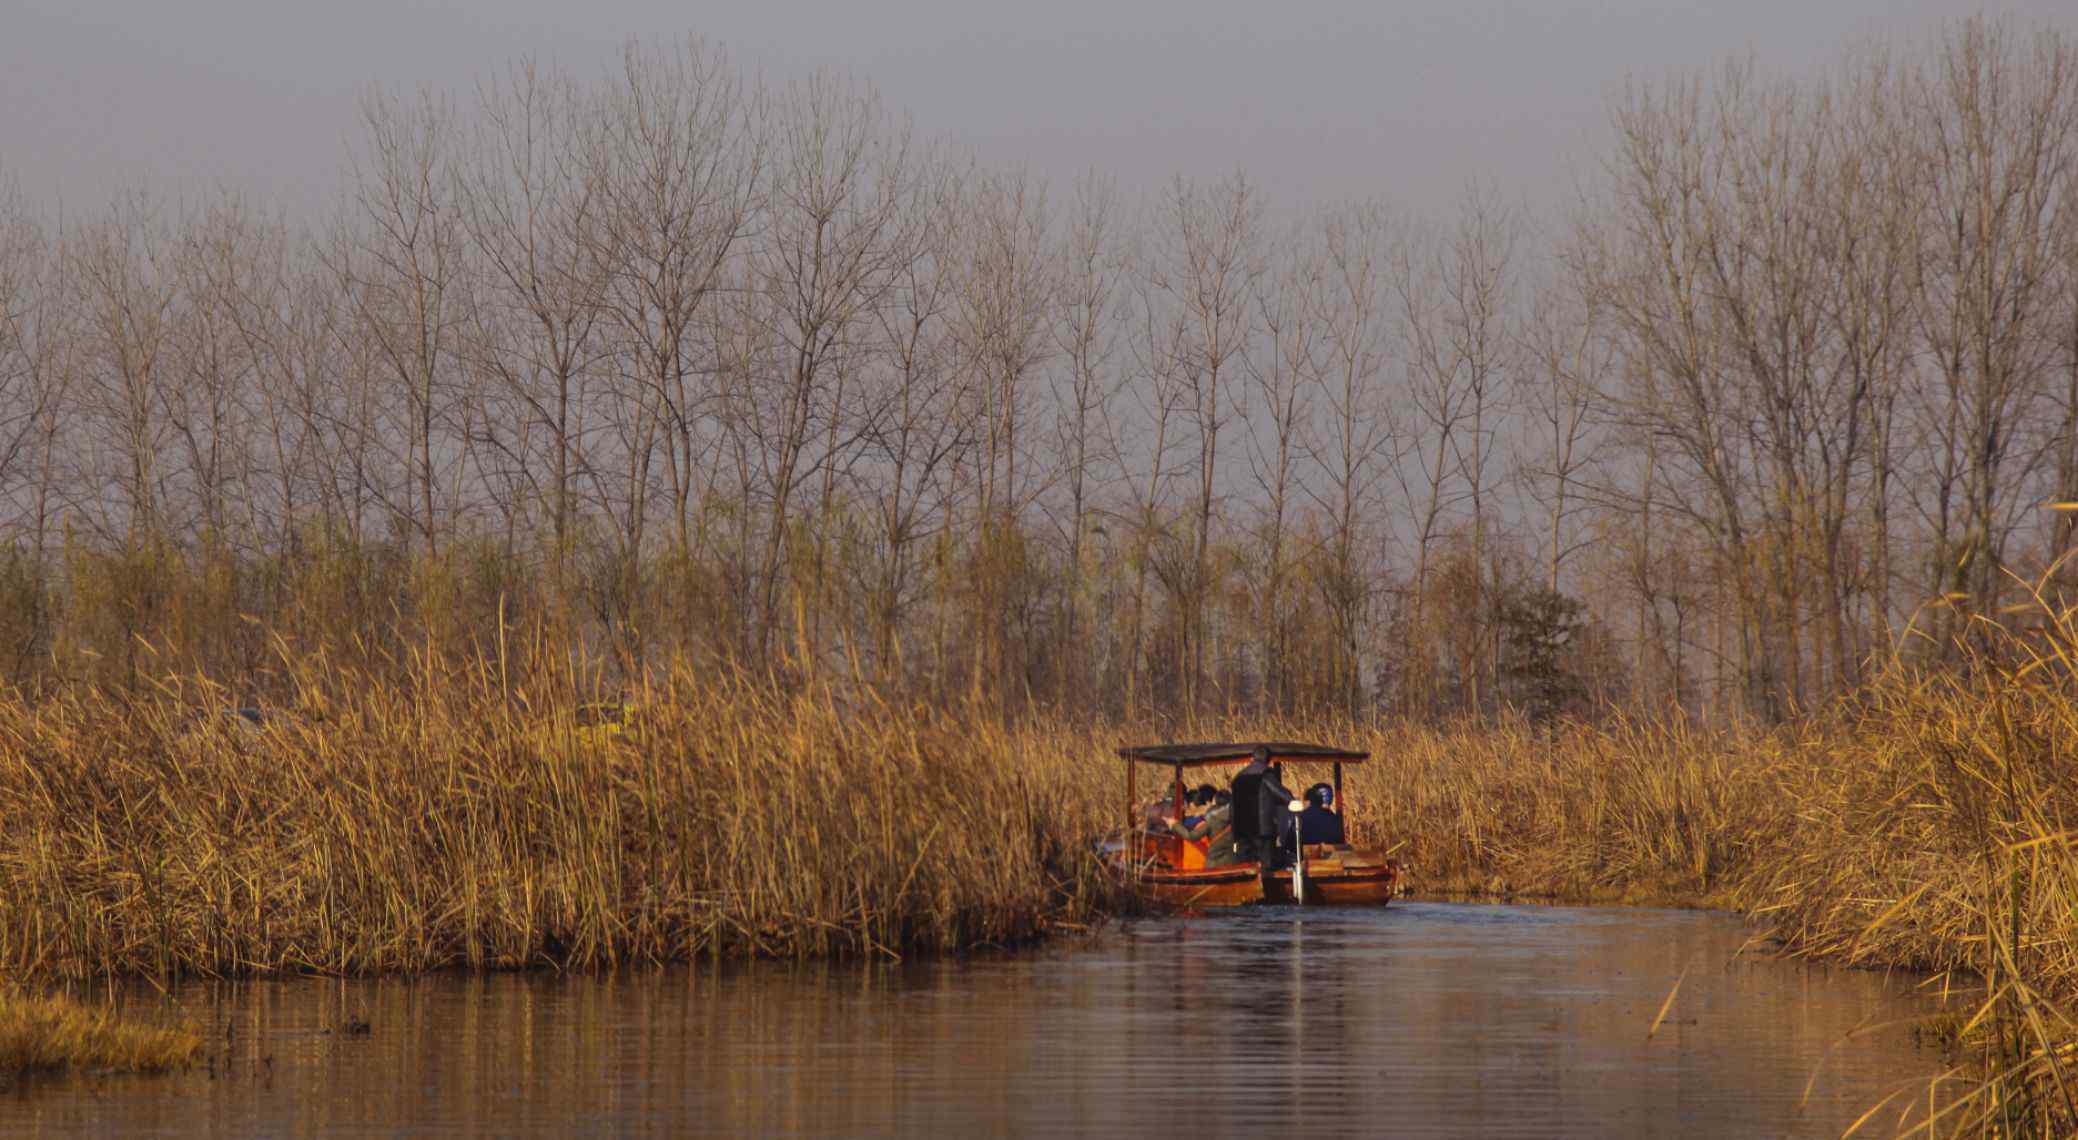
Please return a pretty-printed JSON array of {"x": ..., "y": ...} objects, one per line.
[{"x": 1424, "y": 1019}]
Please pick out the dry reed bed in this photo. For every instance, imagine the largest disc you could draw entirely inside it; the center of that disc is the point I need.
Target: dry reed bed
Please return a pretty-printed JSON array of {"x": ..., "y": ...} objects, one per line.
[
  {"x": 1872, "y": 834},
  {"x": 1927, "y": 824},
  {"x": 445, "y": 826},
  {"x": 50, "y": 1033}
]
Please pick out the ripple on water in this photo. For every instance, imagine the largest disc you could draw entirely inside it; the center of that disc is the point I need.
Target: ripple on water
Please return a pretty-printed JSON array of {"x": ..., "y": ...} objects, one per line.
[{"x": 1418, "y": 1019}]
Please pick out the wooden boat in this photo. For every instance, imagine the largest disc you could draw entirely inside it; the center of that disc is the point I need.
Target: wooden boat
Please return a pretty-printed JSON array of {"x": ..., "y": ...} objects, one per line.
[{"x": 1168, "y": 869}]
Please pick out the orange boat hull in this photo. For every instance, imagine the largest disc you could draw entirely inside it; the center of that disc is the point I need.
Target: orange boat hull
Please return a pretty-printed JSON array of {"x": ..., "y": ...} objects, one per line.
[{"x": 1334, "y": 877}]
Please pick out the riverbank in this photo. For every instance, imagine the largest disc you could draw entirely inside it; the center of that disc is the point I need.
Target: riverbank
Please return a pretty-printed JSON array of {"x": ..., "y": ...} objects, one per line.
[
  {"x": 469, "y": 820},
  {"x": 379, "y": 827},
  {"x": 1927, "y": 824},
  {"x": 375, "y": 828}
]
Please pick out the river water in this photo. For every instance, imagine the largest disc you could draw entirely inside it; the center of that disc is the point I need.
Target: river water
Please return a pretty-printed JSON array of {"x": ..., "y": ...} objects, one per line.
[{"x": 1422, "y": 1019}]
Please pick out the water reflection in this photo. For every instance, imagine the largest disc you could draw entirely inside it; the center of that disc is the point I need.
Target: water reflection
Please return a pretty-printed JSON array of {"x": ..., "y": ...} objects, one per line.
[{"x": 1427, "y": 1019}]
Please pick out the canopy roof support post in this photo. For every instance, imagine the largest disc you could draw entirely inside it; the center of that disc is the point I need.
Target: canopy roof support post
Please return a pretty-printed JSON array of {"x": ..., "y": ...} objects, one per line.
[
  {"x": 1341, "y": 804},
  {"x": 1179, "y": 793}
]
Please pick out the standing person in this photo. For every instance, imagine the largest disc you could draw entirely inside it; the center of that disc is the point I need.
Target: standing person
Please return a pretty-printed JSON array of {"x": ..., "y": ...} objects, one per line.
[
  {"x": 1279, "y": 827},
  {"x": 1261, "y": 810},
  {"x": 1247, "y": 787}
]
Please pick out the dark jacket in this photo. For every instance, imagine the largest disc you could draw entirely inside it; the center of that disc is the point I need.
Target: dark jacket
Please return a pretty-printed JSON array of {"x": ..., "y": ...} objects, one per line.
[
  {"x": 1319, "y": 825},
  {"x": 1273, "y": 804},
  {"x": 1247, "y": 788}
]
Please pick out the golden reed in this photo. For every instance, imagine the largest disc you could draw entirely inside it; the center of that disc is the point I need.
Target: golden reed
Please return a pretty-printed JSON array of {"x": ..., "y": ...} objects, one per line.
[
  {"x": 41, "y": 1033},
  {"x": 1931, "y": 822},
  {"x": 461, "y": 817},
  {"x": 384, "y": 826}
]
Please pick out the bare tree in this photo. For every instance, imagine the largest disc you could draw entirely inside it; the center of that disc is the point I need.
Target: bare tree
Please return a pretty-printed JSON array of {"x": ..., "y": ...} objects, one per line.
[
  {"x": 2063, "y": 530},
  {"x": 36, "y": 344},
  {"x": 1359, "y": 441},
  {"x": 532, "y": 200},
  {"x": 918, "y": 433},
  {"x": 678, "y": 172},
  {"x": 1570, "y": 357},
  {"x": 704, "y": 369},
  {"x": 1005, "y": 291},
  {"x": 1282, "y": 379},
  {"x": 1477, "y": 279},
  {"x": 832, "y": 248},
  {"x": 404, "y": 262},
  {"x": 1092, "y": 269},
  {"x": 1158, "y": 389},
  {"x": 1206, "y": 266},
  {"x": 1429, "y": 469},
  {"x": 1995, "y": 124},
  {"x": 209, "y": 407},
  {"x": 32, "y": 370},
  {"x": 128, "y": 289},
  {"x": 281, "y": 304}
]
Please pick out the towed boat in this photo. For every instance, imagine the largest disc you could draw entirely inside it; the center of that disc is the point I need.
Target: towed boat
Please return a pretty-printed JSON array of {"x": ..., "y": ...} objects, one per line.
[{"x": 1170, "y": 869}]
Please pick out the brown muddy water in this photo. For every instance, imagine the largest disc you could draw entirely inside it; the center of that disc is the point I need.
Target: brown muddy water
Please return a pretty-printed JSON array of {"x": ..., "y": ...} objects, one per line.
[{"x": 1424, "y": 1019}]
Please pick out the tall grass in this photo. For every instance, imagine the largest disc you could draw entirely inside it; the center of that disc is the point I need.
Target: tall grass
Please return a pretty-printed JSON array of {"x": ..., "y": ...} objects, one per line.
[
  {"x": 49, "y": 1033},
  {"x": 458, "y": 819},
  {"x": 1928, "y": 823},
  {"x": 383, "y": 828}
]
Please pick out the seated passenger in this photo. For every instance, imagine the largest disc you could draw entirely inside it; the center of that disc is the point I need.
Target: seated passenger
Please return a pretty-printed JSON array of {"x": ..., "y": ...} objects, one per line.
[
  {"x": 1215, "y": 825},
  {"x": 1222, "y": 851},
  {"x": 1317, "y": 824}
]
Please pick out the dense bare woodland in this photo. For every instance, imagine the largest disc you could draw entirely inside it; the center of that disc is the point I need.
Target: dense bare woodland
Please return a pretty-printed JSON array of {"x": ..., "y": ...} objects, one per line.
[{"x": 662, "y": 364}]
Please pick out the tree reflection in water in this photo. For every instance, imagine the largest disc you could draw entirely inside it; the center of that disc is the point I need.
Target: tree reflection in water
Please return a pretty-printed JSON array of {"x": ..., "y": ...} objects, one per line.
[{"x": 1427, "y": 1019}]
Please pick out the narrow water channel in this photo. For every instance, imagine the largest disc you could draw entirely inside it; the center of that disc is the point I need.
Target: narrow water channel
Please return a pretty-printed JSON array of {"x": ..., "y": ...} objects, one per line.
[{"x": 1424, "y": 1019}]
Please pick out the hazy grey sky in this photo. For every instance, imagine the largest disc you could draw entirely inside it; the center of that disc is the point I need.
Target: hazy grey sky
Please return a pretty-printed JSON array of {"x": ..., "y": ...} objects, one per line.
[{"x": 1315, "y": 98}]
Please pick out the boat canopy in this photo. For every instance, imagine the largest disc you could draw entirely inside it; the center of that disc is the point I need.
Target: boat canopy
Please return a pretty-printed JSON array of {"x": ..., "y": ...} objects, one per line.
[{"x": 1239, "y": 752}]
